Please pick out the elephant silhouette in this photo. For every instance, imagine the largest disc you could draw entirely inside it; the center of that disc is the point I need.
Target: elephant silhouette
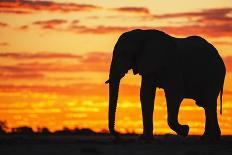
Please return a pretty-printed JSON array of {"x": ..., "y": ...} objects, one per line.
[{"x": 187, "y": 67}]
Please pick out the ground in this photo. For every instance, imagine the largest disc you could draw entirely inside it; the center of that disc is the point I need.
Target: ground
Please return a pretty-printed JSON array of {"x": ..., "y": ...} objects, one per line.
[{"x": 70, "y": 145}]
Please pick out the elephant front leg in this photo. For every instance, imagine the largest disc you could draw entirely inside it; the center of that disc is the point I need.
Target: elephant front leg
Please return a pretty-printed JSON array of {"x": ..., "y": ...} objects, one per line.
[
  {"x": 173, "y": 105},
  {"x": 147, "y": 95}
]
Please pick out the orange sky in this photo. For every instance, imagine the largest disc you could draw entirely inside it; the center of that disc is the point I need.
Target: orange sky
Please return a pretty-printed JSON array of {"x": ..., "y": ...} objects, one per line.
[{"x": 55, "y": 57}]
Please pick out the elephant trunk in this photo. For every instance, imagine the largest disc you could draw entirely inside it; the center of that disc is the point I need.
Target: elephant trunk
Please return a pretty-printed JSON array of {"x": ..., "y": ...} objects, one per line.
[{"x": 113, "y": 97}]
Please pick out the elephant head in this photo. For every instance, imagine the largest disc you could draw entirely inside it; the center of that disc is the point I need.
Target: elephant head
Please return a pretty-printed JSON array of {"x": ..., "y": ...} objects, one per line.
[
  {"x": 124, "y": 59},
  {"x": 134, "y": 50}
]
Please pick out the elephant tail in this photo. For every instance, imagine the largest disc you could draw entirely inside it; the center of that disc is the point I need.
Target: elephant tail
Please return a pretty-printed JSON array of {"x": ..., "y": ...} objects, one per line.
[{"x": 221, "y": 93}]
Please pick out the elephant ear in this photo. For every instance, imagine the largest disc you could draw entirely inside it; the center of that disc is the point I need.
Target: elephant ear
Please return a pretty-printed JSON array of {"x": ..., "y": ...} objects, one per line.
[
  {"x": 125, "y": 52},
  {"x": 158, "y": 53}
]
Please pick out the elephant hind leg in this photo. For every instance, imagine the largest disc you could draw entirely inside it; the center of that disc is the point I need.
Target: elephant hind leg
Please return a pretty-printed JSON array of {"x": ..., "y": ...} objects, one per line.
[{"x": 212, "y": 129}]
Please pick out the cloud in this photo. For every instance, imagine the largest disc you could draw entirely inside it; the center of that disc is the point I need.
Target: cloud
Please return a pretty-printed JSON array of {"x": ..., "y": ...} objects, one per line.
[
  {"x": 228, "y": 63},
  {"x": 227, "y": 92},
  {"x": 24, "y": 27},
  {"x": 219, "y": 15},
  {"x": 40, "y": 66},
  {"x": 95, "y": 57},
  {"x": 216, "y": 16},
  {"x": 137, "y": 10},
  {"x": 209, "y": 31},
  {"x": 201, "y": 30},
  {"x": 209, "y": 23},
  {"x": 223, "y": 43},
  {"x": 96, "y": 62},
  {"x": 50, "y": 24},
  {"x": 99, "y": 29},
  {"x": 4, "y": 44},
  {"x": 214, "y": 30},
  {"x": 78, "y": 89},
  {"x": 28, "y": 64},
  {"x": 30, "y": 56},
  {"x": 91, "y": 62},
  {"x": 5, "y": 11},
  {"x": 75, "y": 22},
  {"x": 185, "y": 30},
  {"x": 21, "y": 75},
  {"x": 26, "y": 6},
  {"x": 3, "y": 24}
]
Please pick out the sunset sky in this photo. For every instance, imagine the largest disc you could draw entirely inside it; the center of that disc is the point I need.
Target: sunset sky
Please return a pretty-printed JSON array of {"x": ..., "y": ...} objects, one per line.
[{"x": 55, "y": 57}]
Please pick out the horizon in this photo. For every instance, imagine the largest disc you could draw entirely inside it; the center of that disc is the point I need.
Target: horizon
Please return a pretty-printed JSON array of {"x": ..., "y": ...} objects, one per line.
[{"x": 55, "y": 57}]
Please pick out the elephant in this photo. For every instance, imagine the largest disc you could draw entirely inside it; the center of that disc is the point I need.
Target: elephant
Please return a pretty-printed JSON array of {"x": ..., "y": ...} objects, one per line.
[{"x": 188, "y": 67}]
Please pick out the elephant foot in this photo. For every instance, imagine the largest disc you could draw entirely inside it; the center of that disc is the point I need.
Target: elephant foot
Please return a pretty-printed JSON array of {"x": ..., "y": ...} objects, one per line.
[
  {"x": 210, "y": 137},
  {"x": 184, "y": 130},
  {"x": 146, "y": 138},
  {"x": 116, "y": 135}
]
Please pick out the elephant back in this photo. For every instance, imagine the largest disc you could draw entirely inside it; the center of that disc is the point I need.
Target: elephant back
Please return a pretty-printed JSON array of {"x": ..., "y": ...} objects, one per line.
[{"x": 158, "y": 53}]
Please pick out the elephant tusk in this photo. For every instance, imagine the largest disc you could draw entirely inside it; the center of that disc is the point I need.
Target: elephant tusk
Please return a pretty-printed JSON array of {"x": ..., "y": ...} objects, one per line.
[{"x": 107, "y": 81}]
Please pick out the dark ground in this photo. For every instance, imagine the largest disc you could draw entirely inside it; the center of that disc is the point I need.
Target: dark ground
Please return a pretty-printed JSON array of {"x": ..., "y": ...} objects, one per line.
[{"x": 61, "y": 144}]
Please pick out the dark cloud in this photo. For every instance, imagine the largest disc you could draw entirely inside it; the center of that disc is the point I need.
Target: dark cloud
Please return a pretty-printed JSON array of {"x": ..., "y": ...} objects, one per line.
[
  {"x": 137, "y": 10},
  {"x": 27, "y": 6}
]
